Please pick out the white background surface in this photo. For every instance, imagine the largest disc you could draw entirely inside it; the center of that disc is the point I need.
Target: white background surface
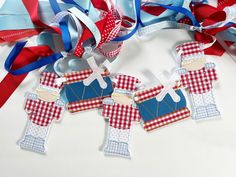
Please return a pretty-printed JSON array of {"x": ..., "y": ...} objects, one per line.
[{"x": 184, "y": 149}]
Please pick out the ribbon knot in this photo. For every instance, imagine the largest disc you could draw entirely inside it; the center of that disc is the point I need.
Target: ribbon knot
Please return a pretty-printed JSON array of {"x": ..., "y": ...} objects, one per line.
[
  {"x": 97, "y": 72},
  {"x": 168, "y": 88}
]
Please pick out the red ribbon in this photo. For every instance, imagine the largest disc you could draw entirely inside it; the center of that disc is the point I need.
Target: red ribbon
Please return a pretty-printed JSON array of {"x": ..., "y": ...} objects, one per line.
[
  {"x": 154, "y": 10},
  {"x": 105, "y": 26},
  {"x": 100, "y": 4},
  {"x": 210, "y": 15},
  {"x": 224, "y": 3},
  {"x": 32, "y": 8},
  {"x": 28, "y": 55},
  {"x": 14, "y": 35}
]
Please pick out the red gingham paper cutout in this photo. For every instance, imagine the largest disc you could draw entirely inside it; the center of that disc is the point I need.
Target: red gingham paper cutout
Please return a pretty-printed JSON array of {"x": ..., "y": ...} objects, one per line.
[
  {"x": 199, "y": 81},
  {"x": 150, "y": 93},
  {"x": 167, "y": 119},
  {"x": 126, "y": 82},
  {"x": 41, "y": 112},
  {"x": 48, "y": 79},
  {"x": 121, "y": 116},
  {"x": 190, "y": 49},
  {"x": 85, "y": 104},
  {"x": 81, "y": 75}
]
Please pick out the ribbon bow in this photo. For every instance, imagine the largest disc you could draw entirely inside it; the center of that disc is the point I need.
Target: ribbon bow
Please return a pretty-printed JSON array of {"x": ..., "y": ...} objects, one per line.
[
  {"x": 97, "y": 72},
  {"x": 168, "y": 88},
  {"x": 214, "y": 20}
]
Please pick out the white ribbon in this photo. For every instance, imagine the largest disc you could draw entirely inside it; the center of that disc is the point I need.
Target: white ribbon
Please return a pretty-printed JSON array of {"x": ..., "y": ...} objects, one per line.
[
  {"x": 97, "y": 72},
  {"x": 206, "y": 46},
  {"x": 76, "y": 23},
  {"x": 168, "y": 88},
  {"x": 230, "y": 12},
  {"x": 229, "y": 50},
  {"x": 230, "y": 16}
]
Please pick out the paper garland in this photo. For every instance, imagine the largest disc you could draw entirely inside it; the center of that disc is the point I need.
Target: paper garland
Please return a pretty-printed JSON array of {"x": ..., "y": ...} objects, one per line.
[{"x": 88, "y": 28}]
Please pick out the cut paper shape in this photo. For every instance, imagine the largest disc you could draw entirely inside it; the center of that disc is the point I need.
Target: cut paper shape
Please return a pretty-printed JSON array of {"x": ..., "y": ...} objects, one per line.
[
  {"x": 97, "y": 72},
  {"x": 168, "y": 84},
  {"x": 197, "y": 77},
  {"x": 156, "y": 114},
  {"x": 121, "y": 114},
  {"x": 81, "y": 97},
  {"x": 42, "y": 109}
]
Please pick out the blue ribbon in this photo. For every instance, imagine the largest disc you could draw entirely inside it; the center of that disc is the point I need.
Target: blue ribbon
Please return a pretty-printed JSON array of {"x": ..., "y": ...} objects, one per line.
[
  {"x": 137, "y": 10},
  {"x": 68, "y": 35},
  {"x": 66, "y": 38},
  {"x": 139, "y": 21},
  {"x": 13, "y": 54},
  {"x": 199, "y": 1},
  {"x": 30, "y": 67},
  {"x": 56, "y": 8},
  {"x": 77, "y": 5},
  {"x": 179, "y": 10}
]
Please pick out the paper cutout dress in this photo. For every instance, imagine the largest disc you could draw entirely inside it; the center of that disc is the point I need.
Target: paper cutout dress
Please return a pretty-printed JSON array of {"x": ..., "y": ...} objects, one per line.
[
  {"x": 42, "y": 109},
  {"x": 197, "y": 77},
  {"x": 121, "y": 111}
]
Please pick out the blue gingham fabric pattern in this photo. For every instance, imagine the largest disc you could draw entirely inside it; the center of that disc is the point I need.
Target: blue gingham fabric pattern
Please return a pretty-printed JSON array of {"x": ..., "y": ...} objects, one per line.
[
  {"x": 35, "y": 137},
  {"x": 117, "y": 143},
  {"x": 204, "y": 106}
]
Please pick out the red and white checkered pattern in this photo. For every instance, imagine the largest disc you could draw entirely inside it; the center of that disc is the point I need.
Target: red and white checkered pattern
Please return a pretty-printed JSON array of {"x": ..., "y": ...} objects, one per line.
[
  {"x": 114, "y": 24},
  {"x": 121, "y": 116},
  {"x": 48, "y": 79},
  {"x": 150, "y": 93},
  {"x": 190, "y": 50},
  {"x": 199, "y": 81},
  {"x": 185, "y": 20},
  {"x": 125, "y": 82},
  {"x": 41, "y": 112},
  {"x": 108, "y": 24},
  {"x": 85, "y": 104},
  {"x": 114, "y": 32},
  {"x": 111, "y": 49},
  {"x": 108, "y": 27},
  {"x": 81, "y": 75},
  {"x": 166, "y": 119}
]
